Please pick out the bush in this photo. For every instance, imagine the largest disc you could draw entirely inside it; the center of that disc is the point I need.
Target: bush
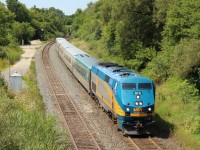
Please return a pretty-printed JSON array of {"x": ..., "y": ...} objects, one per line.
[
  {"x": 195, "y": 125},
  {"x": 185, "y": 62},
  {"x": 186, "y": 57},
  {"x": 180, "y": 90}
]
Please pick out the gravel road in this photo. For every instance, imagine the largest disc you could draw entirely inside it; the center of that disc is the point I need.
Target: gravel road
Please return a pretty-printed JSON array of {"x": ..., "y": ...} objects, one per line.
[{"x": 22, "y": 66}]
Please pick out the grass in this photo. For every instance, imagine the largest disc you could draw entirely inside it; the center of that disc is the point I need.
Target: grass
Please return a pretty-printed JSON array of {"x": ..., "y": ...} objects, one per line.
[
  {"x": 9, "y": 55},
  {"x": 4, "y": 63},
  {"x": 177, "y": 104},
  {"x": 23, "y": 122}
]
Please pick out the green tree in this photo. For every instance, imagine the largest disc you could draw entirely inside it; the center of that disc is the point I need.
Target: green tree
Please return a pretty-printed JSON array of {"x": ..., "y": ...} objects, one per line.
[
  {"x": 77, "y": 21},
  {"x": 160, "y": 11},
  {"x": 135, "y": 26},
  {"x": 186, "y": 61},
  {"x": 23, "y": 31},
  {"x": 48, "y": 22},
  {"x": 183, "y": 21},
  {"x": 6, "y": 20},
  {"x": 19, "y": 9}
]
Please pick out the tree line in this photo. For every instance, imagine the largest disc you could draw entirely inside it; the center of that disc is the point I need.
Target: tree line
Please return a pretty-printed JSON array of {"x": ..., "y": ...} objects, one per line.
[
  {"x": 18, "y": 23},
  {"x": 158, "y": 37}
]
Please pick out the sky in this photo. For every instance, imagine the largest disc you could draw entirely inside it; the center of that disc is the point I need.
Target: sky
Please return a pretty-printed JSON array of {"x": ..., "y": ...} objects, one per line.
[{"x": 69, "y": 7}]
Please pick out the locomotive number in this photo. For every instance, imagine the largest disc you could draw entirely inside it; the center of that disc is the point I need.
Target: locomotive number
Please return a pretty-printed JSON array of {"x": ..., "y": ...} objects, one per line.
[{"x": 137, "y": 109}]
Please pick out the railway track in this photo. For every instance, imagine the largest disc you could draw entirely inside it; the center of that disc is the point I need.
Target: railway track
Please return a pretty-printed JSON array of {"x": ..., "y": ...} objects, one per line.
[
  {"x": 145, "y": 143},
  {"x": 80, "y": 134}
]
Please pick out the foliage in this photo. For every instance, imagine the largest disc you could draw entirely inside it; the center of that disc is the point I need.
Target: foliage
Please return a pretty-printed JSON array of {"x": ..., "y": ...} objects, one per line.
[
  {"x": 3, "y": 83},
  {"x": 178, "y": 103},
  {"x": 23, "y": 31},
  {"x": 186, "y": 61},
  {"x": 124, "y": 28},
  {"x": 6, "y": 20},
  {"x": 48, "y": 23},
  {"x": 19, "y": 25},
  {"x": 11, "y": 53},
  {"x": 32, "y": 24},
  {"x": 183, "y": 21},
  {"x": 23, "y": 123},
  {"x": 19, "y": 9}
]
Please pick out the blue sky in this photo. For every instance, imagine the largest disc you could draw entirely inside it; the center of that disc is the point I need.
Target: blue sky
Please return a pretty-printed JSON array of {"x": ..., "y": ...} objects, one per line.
[{"x": 67, "y": 6}]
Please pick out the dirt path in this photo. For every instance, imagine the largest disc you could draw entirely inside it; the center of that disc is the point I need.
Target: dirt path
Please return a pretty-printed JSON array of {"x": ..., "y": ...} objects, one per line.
[{"x": 22, "y": 66}]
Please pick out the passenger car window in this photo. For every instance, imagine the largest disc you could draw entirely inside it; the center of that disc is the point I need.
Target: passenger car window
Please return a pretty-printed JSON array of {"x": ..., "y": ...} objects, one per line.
[
  {"x": 128, "y": 86},
  {"x": 144, "y": 86}
]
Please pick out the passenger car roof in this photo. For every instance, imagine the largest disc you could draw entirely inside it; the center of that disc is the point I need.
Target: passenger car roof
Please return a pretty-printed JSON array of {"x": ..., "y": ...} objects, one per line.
[
  {"x": 87, "y": 60},
  {"x": 69, "y": 47}
]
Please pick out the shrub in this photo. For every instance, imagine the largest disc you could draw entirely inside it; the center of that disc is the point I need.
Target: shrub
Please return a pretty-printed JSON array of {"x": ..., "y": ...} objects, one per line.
[
  {"x": 185, "y": 58},
  {"x": 195, "y": 125}
]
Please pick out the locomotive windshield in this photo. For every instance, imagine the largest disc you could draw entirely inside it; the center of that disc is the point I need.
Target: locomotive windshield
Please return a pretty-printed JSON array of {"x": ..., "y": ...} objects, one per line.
[
  {"x": 144, "y": 86},
  {"x": 128, "y": 86}
]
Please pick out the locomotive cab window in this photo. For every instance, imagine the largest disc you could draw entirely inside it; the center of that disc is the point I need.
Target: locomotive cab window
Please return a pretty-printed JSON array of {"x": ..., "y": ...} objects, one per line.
[
  {"x": 128, "y": 86},
  {"x": 144, "y": 86}
]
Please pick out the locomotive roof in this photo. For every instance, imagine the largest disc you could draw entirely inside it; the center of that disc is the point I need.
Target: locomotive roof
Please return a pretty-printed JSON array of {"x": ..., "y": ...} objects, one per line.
[
  {"x": 69, "y": 47},
  {"x": 118, "y": 72},
  {"x": 87, "y": 60}
]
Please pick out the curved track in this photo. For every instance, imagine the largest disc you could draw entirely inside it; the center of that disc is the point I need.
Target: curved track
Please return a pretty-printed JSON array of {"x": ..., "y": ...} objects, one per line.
[{"x": 72, "y": 119}]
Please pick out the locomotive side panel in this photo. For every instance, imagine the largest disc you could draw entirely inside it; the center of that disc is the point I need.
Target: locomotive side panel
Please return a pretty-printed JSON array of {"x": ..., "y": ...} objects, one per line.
[
  {"x": 105, "y": 94},
  {"x": 101, "y": 91}
]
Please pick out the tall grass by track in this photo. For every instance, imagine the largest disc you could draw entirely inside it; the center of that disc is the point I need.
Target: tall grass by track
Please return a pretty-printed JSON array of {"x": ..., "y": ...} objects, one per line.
[
  {"x": 23, "y": 123},
  {"x": 178, "y": 103},
  {"x": 9, "y": 55}
]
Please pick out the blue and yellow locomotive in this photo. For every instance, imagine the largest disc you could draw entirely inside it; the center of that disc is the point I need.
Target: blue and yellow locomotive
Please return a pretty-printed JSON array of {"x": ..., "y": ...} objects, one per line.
[{"x": 125, "y": 95}]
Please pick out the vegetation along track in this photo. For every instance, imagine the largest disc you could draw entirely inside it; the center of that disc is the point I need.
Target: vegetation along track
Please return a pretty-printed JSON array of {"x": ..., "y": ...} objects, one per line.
[
  {"x": 77, "y": 128},
  {"x": 144, "y": 143}
]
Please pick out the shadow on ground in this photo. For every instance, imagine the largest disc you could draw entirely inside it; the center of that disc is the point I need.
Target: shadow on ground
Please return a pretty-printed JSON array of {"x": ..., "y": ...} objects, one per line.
[{"x": 162, "y": 128}]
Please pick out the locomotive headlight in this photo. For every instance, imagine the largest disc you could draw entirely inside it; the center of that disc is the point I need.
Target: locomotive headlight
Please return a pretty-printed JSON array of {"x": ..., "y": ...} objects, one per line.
[
  {"x": 127, "y": 109},
  {"x": 140, "y": 103},
  {"x": 149, "y": 109},
  {"x": 136, "y": 103},
  {"x": 138, "y": 96}
]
